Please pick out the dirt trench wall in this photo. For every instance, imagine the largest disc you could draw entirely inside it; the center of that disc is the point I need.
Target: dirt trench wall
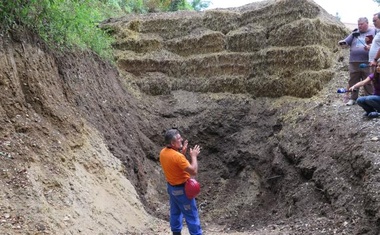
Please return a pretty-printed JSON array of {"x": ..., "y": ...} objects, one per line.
[
  {"x": 65, "y": 117},
  {"x": 283, "y": 44},
  {"x": 69, "y": 144}
]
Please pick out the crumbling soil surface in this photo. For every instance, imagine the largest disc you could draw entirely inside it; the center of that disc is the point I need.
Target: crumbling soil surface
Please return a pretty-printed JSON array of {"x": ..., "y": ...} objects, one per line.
[
  {"x": 79, "y": 153},
  {"x": 283, "y": 166}
]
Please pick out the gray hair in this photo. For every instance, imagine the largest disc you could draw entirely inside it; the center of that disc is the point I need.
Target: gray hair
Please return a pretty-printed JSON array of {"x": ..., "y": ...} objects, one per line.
[
  {"x": 377, "y": 14},
  {"x": 363, "y": 19},
  {"x": 170, "y": 135}
]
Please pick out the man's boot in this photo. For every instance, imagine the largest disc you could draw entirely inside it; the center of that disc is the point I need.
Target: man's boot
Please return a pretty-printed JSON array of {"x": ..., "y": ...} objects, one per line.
[{"x": 176, "y": 233}]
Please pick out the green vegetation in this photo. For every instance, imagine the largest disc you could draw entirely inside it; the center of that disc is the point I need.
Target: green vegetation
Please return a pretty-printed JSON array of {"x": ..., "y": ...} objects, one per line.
[
  {"x": 144, "y": 6},
  {"x": 74, "y": 23},
  {"x": 62, "y": 23}
]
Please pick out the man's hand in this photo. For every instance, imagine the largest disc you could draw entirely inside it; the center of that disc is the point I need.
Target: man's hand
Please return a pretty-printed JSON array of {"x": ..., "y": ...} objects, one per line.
[
  {"x": 342, "y": 43},
  {"x": 194, "y": 152},
  {"x": 184, "y": 147},
  {"x": 193, "y": 168}
]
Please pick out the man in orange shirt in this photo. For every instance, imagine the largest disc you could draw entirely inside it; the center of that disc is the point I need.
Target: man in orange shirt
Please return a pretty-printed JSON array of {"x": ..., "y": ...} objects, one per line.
[{"x": 177, "y": 170}]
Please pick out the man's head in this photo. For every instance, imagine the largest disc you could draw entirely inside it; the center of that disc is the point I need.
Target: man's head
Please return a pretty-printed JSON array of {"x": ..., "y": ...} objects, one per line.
[
  {"x": 376, "y": 20},
  {"x": 363, "y": 24},
  {"x": 173, "y": 139}
]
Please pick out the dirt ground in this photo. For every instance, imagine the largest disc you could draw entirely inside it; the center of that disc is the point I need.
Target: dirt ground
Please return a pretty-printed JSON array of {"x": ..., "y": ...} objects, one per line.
[
  {"x": 268, "y": 166},
  {"x": 79, "y": 153},
  {"x": 284, "y": 166}
]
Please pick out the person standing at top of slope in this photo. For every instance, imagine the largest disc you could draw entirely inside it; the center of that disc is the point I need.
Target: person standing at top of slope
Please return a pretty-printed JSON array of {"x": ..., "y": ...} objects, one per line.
[
  {"x": 358, "y": 55},
  {"x": 374, "y": 48},
  {"x": 177, "y": 171}
]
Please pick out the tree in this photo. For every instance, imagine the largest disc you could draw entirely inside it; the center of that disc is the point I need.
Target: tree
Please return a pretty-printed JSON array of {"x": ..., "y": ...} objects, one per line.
[{"x": 199, "y": 5}]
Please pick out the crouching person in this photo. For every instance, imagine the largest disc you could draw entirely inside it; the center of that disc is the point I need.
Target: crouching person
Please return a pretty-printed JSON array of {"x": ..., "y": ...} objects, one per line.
[{"x": 371, "y": 103}]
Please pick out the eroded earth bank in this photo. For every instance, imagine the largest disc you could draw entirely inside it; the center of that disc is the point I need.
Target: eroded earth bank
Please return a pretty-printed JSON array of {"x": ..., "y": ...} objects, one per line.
[{"x": 254, "y": 86}]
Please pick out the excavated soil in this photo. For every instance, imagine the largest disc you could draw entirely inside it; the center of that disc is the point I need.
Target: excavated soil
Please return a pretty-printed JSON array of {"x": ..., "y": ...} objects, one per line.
[{"x": 79, "y": 144}]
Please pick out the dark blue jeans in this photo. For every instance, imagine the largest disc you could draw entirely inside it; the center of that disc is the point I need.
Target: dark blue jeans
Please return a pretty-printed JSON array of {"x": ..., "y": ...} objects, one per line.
[
  {"x": 181, "y": 206},
  {"x": 370, "y": 103}
]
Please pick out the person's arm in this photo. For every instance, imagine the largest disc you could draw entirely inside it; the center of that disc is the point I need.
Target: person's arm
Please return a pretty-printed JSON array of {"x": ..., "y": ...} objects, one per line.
[
  {"x": 360, "y": 84},
  {"x": 377, "y": 56},
  {"x": 344, "y": 43},
  {"x": 193, "y": 168}
]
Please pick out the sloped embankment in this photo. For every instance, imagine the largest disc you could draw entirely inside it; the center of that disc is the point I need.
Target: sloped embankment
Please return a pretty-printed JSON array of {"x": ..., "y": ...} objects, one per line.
[
  {"x": 269, "y": 49},
  {"x": 77, "y": 141},
  {"x": 265, "y": 159},
  {"x": 63, "y": 121}
]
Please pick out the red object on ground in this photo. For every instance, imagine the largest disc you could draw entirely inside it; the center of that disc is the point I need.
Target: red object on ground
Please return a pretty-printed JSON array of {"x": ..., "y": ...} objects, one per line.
[{"x": 192, "y": 188}]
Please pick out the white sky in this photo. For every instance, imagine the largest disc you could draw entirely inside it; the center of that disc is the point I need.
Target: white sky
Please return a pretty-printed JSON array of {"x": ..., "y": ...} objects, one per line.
[{"x": 349, "y": 10}]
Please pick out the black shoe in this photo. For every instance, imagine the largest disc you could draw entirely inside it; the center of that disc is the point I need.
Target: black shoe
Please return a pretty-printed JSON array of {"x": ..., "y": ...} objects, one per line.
[
  {"x": 176, "y": 233},
  {"x": 373, "y": 114}
]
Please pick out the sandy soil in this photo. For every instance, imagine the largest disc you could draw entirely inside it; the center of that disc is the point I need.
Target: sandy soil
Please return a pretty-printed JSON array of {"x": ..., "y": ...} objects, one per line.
[{"x": 79, "y": 150}]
